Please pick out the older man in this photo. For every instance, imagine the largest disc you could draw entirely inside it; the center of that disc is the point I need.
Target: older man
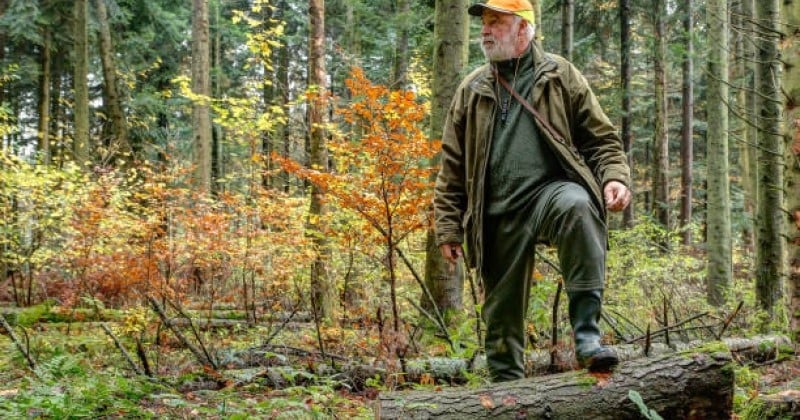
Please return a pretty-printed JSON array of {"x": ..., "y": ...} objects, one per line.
[{"x": 528, "y": 155}]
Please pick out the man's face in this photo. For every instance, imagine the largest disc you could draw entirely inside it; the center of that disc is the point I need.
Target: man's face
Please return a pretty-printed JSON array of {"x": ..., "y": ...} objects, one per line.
[{"x": 499, "y": 35}]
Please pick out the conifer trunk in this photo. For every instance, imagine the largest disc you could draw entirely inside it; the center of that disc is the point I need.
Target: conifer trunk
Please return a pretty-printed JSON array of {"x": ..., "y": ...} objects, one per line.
[
  {"x": 80, "y": 140},
  {"x": 117, "y": 138},
  {"x": 719, "y": 222},
  {"x": 791, "y": 87},
  {"x": 43, "y": 129},
  {"x": 687, "y": 131},
  {"x": 567, "y": 27},
  {"x": 745, "y": 61},
  {"x": 661, "y": 199},
  {"x": 201, "y": 85},
  {"x": 771, "y": 247},
  {"x": 625, "y": 79}
]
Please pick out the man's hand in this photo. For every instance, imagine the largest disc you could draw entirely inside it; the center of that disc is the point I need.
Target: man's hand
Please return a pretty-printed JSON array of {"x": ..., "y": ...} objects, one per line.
[
  {"x": 451, "y": 252},
  {"x": 617, "y": 196}
]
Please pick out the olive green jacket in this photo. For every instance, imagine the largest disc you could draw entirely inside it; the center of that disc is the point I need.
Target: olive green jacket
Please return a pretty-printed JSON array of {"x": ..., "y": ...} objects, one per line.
[{"x": 587, "y": 144}]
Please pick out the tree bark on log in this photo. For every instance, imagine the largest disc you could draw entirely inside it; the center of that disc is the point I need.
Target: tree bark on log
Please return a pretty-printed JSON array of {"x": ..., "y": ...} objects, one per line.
[{"x": 688, "y": 385}]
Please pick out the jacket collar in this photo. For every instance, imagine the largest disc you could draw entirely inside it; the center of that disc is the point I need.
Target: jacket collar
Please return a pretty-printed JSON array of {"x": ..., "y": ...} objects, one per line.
[{"x": 483, "y": 84}]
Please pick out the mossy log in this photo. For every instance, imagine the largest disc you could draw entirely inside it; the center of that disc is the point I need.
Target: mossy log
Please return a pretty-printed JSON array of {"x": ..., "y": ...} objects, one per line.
[
  {"x": 692, "y": 384},
  {"x": 781, "y": 405}
]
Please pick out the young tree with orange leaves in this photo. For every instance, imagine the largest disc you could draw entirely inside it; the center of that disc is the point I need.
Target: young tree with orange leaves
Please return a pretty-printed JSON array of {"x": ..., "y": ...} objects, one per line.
[{"x": 382, "y": 167}]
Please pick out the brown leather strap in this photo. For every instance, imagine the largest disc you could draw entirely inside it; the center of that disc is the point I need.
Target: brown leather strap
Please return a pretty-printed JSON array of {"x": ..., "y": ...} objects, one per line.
[{"x": 528, "y": 106}]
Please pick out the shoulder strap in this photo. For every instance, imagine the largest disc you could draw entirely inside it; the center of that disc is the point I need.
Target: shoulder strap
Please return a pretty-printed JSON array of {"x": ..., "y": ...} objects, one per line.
[{"x": 528, "y": 106}]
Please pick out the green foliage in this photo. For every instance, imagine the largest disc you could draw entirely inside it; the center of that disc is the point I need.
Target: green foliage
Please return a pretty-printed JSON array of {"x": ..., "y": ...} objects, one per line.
[
  {"x": 65, "y": 388},
  {"x": 29, "y": 316},
  {"x": 642, "y": 274},
  {"x": 643, "y": 409}
]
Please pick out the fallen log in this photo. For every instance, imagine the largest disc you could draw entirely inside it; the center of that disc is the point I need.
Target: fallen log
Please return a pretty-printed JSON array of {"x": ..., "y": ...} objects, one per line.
[
  {"x": 691, "y": 384},
  {"x": 781, "y": 405}
]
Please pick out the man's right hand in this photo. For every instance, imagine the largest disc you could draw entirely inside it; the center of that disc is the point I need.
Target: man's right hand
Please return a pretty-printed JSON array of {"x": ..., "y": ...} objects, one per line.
[{"x": 451, "y": 252}]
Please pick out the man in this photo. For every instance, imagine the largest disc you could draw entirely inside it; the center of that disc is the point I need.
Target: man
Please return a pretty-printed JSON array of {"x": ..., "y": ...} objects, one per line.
[{"x": 509, "y": 179}]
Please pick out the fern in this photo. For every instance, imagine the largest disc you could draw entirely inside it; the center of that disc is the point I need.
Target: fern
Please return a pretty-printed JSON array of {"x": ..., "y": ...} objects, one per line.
[{"x": 646, "y": 411}]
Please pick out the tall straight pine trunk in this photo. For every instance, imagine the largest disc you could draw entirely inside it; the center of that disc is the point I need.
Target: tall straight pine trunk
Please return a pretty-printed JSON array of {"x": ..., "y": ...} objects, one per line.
[
  {"x": 771, "y": 247},
  {"x": 117, "y": 136},
  {"x": 567, "y": 27},
  {"x": 80, "y": 80},
  {"x": 718, "y": 213},
  {"x": 661, "y": 199},
  {"x": 687, "y": 131},
  {"x": 791, "y": 85},
  {"x": 201, "y": 85},
  {"x": 625, "y": 79},
  {"x": 43, "y": 129}
]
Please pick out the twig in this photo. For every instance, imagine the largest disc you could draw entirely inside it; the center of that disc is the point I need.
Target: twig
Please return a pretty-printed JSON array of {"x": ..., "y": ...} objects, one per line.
[
  {"x": 203, "y": 359},
  {"x": 22, "y": 349},
  {"x": 280, "y": 328},
  {"x": 628, "y": 321},
  {"x": 436, "y": 311},
  {"x": 143, "y": 357},
  {"x": 554, "y": 341},
  {"x": 613, "y": 324},
  {"x": 473, "y": 290},
  {"x": 648, "y": 334},
  {"x": 194, "y": 330},
  {"x": 432, "y": 319},
  {"x": 730, "y": 319},
  {"x": 666, "y": 322},
  {"x": 121, "y": 348}
]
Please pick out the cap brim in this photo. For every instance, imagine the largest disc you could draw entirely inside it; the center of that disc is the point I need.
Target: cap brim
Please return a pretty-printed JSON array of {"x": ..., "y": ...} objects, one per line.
[{"x": 477, "y": 9}]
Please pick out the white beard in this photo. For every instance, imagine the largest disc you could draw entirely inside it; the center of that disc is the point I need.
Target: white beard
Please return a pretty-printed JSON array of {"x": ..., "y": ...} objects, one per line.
[{"x": 501, "y": 48}]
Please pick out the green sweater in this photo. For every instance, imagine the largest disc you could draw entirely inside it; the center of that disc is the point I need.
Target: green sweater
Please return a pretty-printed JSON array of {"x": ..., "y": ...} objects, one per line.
[{"x": 520, "y": 163}]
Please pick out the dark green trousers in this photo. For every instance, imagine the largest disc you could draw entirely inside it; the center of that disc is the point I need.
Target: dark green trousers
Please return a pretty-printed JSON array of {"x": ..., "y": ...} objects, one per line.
[{"x": 562, "y": 214}]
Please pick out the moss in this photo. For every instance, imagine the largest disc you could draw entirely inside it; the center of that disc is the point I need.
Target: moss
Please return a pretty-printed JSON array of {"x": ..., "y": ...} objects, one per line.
[{"x": 586, "y": 381}]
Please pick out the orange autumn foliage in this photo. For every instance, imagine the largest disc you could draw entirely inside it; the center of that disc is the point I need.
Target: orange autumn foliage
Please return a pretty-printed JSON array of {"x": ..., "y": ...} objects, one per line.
[{"x": 382, "y": 160}]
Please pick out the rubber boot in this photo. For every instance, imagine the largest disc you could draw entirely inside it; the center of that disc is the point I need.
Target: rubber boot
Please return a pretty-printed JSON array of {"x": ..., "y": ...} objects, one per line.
[{"x": 584, "y": 313}]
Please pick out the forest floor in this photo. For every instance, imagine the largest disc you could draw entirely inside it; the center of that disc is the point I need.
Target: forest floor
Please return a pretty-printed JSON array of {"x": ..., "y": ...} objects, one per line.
[{"x": 80, "y": 373}]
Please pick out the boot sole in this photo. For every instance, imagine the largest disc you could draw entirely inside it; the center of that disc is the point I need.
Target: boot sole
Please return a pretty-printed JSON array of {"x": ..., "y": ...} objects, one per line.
[{"x": 604, "y": 361}]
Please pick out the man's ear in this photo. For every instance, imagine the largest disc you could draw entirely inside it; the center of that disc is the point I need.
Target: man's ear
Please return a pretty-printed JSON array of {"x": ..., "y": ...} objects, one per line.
[{"x": 523, "y": 27}]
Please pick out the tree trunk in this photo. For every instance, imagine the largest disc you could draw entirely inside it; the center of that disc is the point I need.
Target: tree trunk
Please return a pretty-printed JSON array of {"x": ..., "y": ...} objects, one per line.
[
  {"x": 201, "y": 85},
  {"x": 745, "y": 59},
  {"x": 685, "y": 385},
  {"x": 770, "y": 252},
  {"x": 217, "y": 133},
  {"x": 43, "y": 129},
  {"x": 401, "y": 49},
  {"x": 687, "y": 131},
  {"x": 719, "y": 215},
  {"x": 117, "y": 138},
  {"x": 58, "y": 119},
  {"x": 791, "y": 88},
  {"x": 625, "y": 79},
  {"x": 451, "y": 47},
  {"x": 661, "y": 200},
  {"x": 537, "y": 10},
  {"x": 322, "y": 292},
  {"x": 567, "y": 27},
  {"x": 80, "y": 140}
]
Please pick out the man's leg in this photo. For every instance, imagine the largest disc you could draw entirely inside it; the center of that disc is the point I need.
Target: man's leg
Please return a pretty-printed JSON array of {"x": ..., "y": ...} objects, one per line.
[
  {"x": 569, "y": 219},
  {"x": 507, "y": 270}
]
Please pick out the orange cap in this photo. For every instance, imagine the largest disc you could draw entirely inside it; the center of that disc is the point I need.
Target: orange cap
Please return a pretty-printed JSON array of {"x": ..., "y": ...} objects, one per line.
[{"x": 521, "y": 8}]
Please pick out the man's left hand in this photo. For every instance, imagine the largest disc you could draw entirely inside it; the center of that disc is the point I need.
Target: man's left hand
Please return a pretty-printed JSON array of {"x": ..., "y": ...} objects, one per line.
[{"x": 617, "y": 196}]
